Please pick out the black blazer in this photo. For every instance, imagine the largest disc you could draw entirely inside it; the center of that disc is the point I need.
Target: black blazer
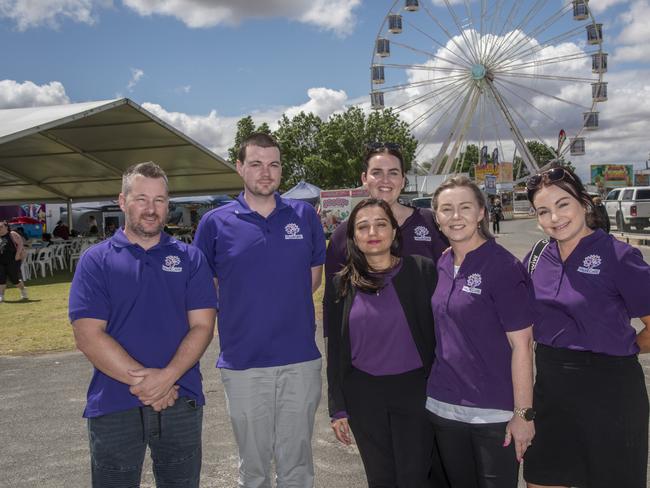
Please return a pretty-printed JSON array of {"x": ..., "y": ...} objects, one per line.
[{"x": 414, "y": 284}]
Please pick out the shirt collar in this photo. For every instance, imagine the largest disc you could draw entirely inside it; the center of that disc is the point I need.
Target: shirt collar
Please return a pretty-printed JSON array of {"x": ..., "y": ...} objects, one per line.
[
  {"x": 119, "y": 239},
  {"x": 280, "y": 204},
  {"x": 477, "y": 255}
]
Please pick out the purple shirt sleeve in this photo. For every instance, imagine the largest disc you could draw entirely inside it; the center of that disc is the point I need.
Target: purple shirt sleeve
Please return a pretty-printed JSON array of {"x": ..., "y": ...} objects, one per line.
[
  {"x": 632, "y": 278},
  {"x": 340, "y": 415},
  {"x": 88, "y": 292},
  {"x": 512, "y": 297},
  {"x": 204, "y": 239},
  {"x": 200, "y": 292},
  {"x": 318, "y": 238}
]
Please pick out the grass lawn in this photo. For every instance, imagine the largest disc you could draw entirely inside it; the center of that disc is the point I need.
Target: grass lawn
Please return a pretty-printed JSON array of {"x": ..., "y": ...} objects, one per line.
[{"x": 41, "y": 324}]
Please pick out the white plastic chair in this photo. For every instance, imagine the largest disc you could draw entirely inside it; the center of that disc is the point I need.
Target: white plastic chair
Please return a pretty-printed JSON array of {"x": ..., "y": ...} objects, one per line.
[
  {"x": 58, "y": 256},
  {"x": 74, "y": 257},
  {"x": 45, "y": 258},
  {"x": 27, "y": 266}
]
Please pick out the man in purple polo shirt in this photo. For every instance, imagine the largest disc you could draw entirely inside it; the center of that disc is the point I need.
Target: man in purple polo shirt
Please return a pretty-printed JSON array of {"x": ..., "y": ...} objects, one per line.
[
  {"x": 266, "y": 254},
  {"x": 142, "y": 307}
]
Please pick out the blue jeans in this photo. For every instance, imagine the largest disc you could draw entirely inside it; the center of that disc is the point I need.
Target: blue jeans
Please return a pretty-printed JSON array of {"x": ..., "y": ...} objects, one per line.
[{"x": 118, "y": 443}]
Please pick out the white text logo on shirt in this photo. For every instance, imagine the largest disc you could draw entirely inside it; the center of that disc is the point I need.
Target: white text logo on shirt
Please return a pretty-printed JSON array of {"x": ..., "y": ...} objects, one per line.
[
  {"x": 421, "y": 234},
  {"x": 473, "y": 283},
  {"x": 590, "y": 264},
  {"x": 292, "y": 231},
  {"x": 172, "y": 264}
]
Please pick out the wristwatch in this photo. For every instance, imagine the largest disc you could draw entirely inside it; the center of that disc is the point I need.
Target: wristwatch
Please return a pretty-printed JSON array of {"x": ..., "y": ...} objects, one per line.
[{"x": 528, "y": 414}]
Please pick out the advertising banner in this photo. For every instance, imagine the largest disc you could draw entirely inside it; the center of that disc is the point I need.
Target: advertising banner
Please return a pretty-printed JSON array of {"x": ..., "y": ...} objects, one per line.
[
  {"x": 608, "y": 176},
  {"x": 336, "y": 205}
]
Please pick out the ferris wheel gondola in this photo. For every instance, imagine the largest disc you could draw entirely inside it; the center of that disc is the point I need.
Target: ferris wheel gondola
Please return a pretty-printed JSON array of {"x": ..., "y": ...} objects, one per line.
[{"x": 491, "y": 73}]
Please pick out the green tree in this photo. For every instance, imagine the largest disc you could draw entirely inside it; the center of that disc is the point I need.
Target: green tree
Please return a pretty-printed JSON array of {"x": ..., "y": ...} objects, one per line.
[
  {"x": 245, "y": 127},
  {"x": 543, "y": 154}
]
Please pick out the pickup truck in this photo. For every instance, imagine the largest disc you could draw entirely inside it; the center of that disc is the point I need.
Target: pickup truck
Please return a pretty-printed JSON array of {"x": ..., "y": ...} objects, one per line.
[{"x": 628, "y": 207}]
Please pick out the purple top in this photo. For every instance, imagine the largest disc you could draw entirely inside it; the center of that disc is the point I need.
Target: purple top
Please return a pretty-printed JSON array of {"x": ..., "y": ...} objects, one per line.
[
  {"x": 473, "y": 311},
  {"x": 420, "y": 236},
  {"x": 263, "y": 267},
  {"x": 587, "y": 301},
  {"x": 144, "y": 297},
  {"x": 380, "y": 338}
]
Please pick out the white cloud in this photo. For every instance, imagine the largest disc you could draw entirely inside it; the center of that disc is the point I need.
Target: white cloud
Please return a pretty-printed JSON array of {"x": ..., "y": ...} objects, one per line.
[
  {"x": 28, "y": 94},
  {"x": 599, "y": 6},
  {"x": 136, "y": 76},
  {"x": 35, "y": 13},
  {"x": 635, "y": 35},
  {"x": 335, "y": 15},
  {"x": 322, "y": 102},
  {"x": 218, "y": 132}
]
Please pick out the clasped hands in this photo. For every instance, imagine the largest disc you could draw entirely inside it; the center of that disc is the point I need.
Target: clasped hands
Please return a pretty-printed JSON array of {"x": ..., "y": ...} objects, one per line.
[{"x": 154, "y": 387}]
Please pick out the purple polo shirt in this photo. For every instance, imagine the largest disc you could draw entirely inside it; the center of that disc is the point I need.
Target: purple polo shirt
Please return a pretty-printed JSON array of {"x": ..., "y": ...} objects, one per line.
[
  {"x": 380, "y": 338},
  {"x": 263, "y": 267},
  {"x": 586, "y": 302},
  {"x": 420, "y": 236},
  {"x": 473, "y": 311},
  {"x": 144, "y": 297}
]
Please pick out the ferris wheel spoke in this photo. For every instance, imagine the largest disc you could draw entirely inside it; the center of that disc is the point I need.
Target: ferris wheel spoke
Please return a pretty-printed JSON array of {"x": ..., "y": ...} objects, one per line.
[
  {"x": 425, "y": 67},
  {"x": 541, "y": 62},
  {"x": 468, "y": 55},
  {"x": 449, "y": 91},
  {"x": 544, "y": 44},
  {"x": 544, "y": 94},
  {"x": 422, "y": 83},
  {"x": 461, "y": 31},
  {"x": 449, "y": 100},
  {"x": 517, "y": 51},
  {"x": 464, "y": 61},
  {"x": 507, "y": 40},
  {"x": 429, "y": 54},
  {"x": 548, "y": 77},
  {"x": 443, "y": 116},
  {"x": 526, "y": 102}
]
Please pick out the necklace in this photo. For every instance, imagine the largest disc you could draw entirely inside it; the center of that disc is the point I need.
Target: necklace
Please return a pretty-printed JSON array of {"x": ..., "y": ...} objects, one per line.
[{"x": 394, "y": 261}]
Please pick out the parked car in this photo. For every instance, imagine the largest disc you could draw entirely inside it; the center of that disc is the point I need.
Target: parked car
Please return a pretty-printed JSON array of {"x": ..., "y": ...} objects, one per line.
[
  {"x": 421, "y": 202},
  {"x": 629, "y": 207}
]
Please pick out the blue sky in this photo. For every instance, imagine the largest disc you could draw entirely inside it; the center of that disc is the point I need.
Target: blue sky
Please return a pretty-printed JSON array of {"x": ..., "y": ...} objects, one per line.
[{"x": 201, "y": 65}]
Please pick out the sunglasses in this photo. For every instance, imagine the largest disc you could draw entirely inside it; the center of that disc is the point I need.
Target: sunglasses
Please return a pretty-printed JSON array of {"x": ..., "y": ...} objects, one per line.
[
  {"x": 379, "y": 146},
  {"x": 551, "y": 176}
]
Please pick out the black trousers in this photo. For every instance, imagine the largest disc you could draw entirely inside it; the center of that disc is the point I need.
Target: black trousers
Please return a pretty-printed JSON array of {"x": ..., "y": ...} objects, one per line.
[
  {"x": 473, "y": 455},
  {"x": 389, "y": 423}
]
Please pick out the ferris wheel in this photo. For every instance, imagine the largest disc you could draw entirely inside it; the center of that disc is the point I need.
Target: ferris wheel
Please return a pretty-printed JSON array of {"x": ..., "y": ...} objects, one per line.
[{"x": 494, "y": 73}]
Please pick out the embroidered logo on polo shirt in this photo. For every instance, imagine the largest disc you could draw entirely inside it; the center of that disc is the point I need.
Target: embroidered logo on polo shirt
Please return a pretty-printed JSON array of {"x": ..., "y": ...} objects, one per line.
[
  {"x": 590, "y": 264},
  {"x": 473, "y": 283},
  {"x": 421, "y": 234},
  {"x": 292, "y": 231},
  {"x": 172, "y": 264}
]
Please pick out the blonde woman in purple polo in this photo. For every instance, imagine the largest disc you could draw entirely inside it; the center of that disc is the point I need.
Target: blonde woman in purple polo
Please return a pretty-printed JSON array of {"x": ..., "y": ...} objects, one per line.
[{"x": 480, "y": 388}]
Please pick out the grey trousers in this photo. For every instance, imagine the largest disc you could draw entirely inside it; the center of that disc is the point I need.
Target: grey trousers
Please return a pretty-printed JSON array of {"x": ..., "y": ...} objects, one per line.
[{"x": 272, "y": 413}]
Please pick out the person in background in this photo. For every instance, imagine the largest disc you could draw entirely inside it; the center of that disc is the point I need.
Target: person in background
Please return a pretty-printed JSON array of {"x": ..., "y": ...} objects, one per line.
[
  {"x": 47, "y": 239},
  {"x": 61, "y": 231},
  {"x": 590, "y": 394},
  {"x": 93, "y": 228},
  {"x": 496, "y": 215},
  {"x": 12, "y": 251},
  {"x": 142, "y": 308},
  {"x": 480, "y": 390},
  {"x": 380, "y": 350},
  {"x": 601, "y": 213}
]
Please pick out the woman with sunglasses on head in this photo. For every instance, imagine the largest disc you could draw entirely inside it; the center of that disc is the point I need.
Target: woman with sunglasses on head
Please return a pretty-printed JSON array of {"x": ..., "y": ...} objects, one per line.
[
  {"x": 590, "y": 394},
  {"x": 480, "y": 389},
  {"x": 380, "y": 349}
]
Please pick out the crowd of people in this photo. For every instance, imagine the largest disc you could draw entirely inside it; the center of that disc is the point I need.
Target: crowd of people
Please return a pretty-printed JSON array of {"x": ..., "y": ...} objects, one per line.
[{"x": 430, "y": 328}]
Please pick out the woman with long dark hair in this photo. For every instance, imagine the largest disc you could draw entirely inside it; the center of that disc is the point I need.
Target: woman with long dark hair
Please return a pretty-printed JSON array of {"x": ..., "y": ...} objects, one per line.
[
  {"x": 480, "y": 387},
  {"x": 380, "y": 349},
  {"x": 590, "y": 394}
]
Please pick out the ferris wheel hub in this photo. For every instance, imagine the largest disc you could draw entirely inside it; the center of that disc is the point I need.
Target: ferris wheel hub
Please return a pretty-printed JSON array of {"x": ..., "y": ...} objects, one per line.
[{"x": 478, "y": 71}]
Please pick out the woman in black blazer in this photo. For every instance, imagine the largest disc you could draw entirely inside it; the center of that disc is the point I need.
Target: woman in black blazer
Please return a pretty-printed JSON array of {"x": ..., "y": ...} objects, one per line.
[{"x": 380, "y": 350}]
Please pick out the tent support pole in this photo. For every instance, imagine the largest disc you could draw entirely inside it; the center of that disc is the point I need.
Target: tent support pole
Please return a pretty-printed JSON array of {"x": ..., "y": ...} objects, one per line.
[{"x": 69, "y": 203}]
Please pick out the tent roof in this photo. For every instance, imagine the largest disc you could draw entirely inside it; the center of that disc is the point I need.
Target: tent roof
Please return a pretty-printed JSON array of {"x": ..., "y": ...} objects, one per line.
[
  {"x": 79, "y": 151},
  {"x": 303, "y": 191}
]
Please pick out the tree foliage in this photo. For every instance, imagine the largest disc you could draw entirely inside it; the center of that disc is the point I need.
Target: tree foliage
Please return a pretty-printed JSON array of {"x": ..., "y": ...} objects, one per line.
[
  {"x": 329, "y": 153},
  {"x": 245, "y": 127}
]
